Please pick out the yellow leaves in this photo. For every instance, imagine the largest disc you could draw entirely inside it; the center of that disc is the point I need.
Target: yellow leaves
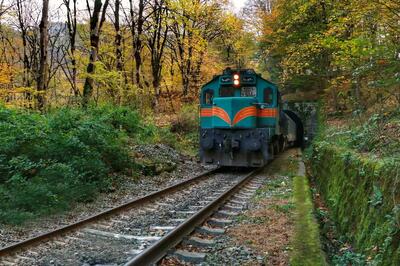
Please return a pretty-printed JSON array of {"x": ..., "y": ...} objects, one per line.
[
  {"x": 6, "y": 73},
  {"x": 18, "y": 97}
]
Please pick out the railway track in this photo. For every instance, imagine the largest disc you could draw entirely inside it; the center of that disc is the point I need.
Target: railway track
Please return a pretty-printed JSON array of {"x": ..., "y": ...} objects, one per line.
[{"x": 139, "y": 232}]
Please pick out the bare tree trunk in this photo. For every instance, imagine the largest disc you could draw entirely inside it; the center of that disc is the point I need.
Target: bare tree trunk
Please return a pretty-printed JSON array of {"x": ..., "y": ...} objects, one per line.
[
  {"x": 118, "y": 37},
  {"x": 138, "y": 43},
  {"x": 72, "y": 30},
  {"x": 133, "y": 33},
  {"x": 43, "y": 64},
  {"x": 156, "y": 42},
  {"x": 96, "y": 22},
  {"x": 26, "y": 63}
]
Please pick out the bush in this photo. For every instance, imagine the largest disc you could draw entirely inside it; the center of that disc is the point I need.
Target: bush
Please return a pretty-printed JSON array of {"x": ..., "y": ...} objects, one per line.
[
  {"x": 187, "y": 120},
  {"x": 48, "y": 162},
  {"x": 186, "y": 126}
]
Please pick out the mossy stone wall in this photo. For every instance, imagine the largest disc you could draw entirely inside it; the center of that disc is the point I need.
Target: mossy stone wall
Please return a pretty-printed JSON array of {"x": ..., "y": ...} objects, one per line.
[{"x": 363, "y": 197}]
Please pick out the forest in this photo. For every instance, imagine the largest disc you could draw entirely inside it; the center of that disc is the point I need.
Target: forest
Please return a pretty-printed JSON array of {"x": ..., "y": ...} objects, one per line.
[
  {"x": 156, "y": 54},
  {"x": 82, "y": 83}
]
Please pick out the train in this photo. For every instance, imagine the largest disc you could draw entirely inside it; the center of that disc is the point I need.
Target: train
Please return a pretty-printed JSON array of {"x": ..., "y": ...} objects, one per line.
[{"x": 243, "y": 122}]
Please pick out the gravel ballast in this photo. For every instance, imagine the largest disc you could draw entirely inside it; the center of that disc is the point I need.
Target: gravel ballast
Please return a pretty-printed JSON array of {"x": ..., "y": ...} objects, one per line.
[{"x": 128, "y": 188}]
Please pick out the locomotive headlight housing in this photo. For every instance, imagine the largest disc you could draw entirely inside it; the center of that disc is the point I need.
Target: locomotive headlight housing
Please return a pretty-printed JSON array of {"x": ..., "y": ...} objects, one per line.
[{"x": 236, "y": 81}]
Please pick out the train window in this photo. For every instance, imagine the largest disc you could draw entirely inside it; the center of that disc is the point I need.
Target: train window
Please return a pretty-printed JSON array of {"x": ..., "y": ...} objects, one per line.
[
  {"x": 227, "y": 92},
  {"x": 208, "y": 96},
  {"x": 268, "y": 96},
  {"x": 248, "y": 92}
]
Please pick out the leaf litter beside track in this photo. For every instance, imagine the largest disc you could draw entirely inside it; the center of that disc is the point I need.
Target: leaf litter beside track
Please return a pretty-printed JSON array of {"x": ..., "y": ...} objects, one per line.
[{"x": 267, "y": 227}]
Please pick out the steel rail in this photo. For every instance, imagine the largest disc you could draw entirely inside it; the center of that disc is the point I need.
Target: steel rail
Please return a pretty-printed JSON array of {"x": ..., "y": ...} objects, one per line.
[
  {"x": 112, "y": 211},
  {"x": 156, "y": 252}
]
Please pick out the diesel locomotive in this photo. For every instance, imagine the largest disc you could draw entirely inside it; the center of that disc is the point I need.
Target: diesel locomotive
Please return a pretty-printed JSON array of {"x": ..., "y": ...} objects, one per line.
[{"x": 242, "y": 120}]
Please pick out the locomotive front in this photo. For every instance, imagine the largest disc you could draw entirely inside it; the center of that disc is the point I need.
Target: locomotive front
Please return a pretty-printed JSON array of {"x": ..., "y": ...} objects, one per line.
[{"x": 239, "y": 118}]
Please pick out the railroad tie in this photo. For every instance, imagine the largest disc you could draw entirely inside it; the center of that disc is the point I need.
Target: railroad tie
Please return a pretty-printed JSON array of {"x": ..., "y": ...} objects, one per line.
[
  {"x": 233, "y": 208},
  {"x": 199, "y": 242},
  {"x": 241, "y": 197},
  {"x": 183, "y": 212},
  {"x": 191, "y": 257},
  {"x": 226, "y": 213},
  {"x": 162, "y": 228},
  {"x": 177, "y": 220},
  {"x": 219, "y": 222},
  {"x": 247, "y": 190},
  {"x": 252, "y": 187},
  {"x": 210, "y": 198},
  {"x": 210, "y": 231},
  {"x": 241, "y": 193},
  {"x": 237, "y": 202},
  {"x": 120, "y": 236},
  {"x": 196, "y": 207},
  {"x": 134, "y": 252}
]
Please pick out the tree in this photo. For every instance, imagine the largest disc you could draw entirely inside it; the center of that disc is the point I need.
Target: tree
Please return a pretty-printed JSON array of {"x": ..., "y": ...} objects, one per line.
[
  {"x": 20, "y": 8},
  {"x": 195, "y": 24},
  {"x": 71, "y": 68},
  {"x": 118, "y": 37},
  {"x": 137, "y": 36},
  {"x": 158, "y": 30},
  {"x": 97, "y": 18},
  {"x": 43, "y": 66}
]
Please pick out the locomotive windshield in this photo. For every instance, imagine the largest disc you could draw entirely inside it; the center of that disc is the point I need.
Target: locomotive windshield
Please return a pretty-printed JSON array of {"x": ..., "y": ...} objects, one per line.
[
  {"x": 244, "y": 92},
  {"x": 227, "y": 92}
]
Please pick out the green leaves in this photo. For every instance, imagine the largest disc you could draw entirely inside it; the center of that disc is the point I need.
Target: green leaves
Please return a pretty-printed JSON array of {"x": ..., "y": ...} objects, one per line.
[
  {"x": 376, "y": 198},
  {"x": 348, "y": 47},
  {"x": 49, "y": 162}
]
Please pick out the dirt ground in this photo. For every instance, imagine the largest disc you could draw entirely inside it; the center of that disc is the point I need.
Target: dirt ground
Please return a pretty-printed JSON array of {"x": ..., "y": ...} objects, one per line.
[{"x": 268, "y": 226}]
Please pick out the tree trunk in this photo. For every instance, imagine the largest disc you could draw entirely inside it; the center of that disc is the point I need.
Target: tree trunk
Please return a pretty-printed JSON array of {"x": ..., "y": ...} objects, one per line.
[
  {"x": 43, "y": 64},
  {"x": 138, "y": 44},
  {"x": 20, "y": 13},
  {"x": 95, "y": 26},
  {"x": 72, "y": 30},
  {"x": 156, "y": 42},
  {"x": 118, "y": 37}
]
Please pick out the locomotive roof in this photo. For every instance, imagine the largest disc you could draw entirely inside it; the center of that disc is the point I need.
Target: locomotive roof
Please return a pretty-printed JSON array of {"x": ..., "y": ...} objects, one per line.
[{"x": 230, "y": 71}]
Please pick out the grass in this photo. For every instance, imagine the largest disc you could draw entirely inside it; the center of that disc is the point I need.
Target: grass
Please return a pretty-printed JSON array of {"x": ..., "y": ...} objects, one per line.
[{"x": 306, "y": 247}]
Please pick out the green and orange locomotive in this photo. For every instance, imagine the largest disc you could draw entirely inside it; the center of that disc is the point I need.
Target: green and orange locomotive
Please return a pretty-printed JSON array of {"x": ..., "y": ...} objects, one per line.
[{"x": 242, "y": 122}]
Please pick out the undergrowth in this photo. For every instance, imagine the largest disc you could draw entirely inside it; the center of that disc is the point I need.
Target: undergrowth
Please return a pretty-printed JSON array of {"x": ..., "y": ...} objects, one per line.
[
  {"x": 50, "y": 161},
  {"x": 186, "y": 129},
  {"x": 378, "y": 134},
  {"x": 356, "y": 170}
]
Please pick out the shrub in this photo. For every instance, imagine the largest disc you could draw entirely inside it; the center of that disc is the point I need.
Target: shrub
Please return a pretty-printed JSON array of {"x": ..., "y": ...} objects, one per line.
[
  {"x": 187, "y": 120},
  {"x": 186, "y": 126},
  {"x": 48, "y": 162}
]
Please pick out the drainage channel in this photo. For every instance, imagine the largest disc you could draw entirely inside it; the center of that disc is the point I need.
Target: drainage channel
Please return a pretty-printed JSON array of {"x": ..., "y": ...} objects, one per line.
[{"x": 217, "y": 213}]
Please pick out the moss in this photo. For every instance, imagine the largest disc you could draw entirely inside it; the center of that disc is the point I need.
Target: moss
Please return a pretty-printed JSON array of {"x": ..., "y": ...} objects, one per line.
[
  {"x": 361, "y": 195},
  {"x": 306, "y": 244}
]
